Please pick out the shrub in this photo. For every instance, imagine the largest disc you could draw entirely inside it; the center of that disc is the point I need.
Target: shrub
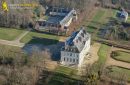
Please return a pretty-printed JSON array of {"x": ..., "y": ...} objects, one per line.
[{"x": 114, "y": 53}]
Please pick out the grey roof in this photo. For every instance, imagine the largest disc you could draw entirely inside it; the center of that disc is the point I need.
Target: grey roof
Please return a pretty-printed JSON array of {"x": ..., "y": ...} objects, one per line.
[
  {"x": 67, "y": 17},
  {"x": 77, "y": 40},
  {"x": 61, "y": 15},
  {"x": 122, "y": 14}
]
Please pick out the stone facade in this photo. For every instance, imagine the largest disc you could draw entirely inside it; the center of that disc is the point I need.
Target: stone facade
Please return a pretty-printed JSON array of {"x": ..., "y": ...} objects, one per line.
[{"x": 76, "y": 48}]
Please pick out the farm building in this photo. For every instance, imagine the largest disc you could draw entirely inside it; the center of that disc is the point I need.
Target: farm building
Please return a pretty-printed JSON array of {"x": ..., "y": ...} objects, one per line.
[
  {"x": 56, "y": 19},
  {"x": 76, "y": 48},
  {"x": 122, "y": 15}
]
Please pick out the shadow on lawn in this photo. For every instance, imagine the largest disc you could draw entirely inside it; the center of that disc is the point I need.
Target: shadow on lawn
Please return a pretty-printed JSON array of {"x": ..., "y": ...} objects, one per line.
[
  {"x": 45, "y": 32},
  {"x": 92, "y": 27},
  {"x": 55, "y": 78},
  {"x": 44, "y": 41},
  {"x": 42, "y": 44}
]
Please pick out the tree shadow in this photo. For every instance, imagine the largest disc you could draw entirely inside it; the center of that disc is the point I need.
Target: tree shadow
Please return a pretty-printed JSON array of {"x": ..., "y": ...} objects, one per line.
[
  {"x": 44, "y": 41},
  {"x": 92, "y": 27},
  {"x": 57, "y": 79},
  {"x": 45, "y": 32}
]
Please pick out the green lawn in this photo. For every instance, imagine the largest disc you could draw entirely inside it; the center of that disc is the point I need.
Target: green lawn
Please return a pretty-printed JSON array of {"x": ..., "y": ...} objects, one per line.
[
  {"x": 122, "y": 56},
  {"x": 95, "y": 21},
  {"x": 40, "y": 38},
  {"x": 66, "y": 70},
  {"x": 103, "y": 53},
  {"x": 9, "y": 33},
  {"x": 62, "y": 75},
  {"x": 119, "y": 70},
  {"x": 128, "y": 19}
]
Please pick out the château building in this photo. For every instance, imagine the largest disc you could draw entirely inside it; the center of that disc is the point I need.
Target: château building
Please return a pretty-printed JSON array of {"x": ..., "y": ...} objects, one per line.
[{"x": 76, "y": 47}]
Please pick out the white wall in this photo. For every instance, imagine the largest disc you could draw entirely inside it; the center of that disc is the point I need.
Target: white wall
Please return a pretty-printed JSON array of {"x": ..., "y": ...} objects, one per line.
[
  {"x": 69, "y": 57},
  {"x": 84, "y": 52},
  {"x": 68, "y": 23}
]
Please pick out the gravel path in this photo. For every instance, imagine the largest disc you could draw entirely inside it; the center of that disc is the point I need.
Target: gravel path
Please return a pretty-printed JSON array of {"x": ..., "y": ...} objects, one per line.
[
  {"x": 15, "y": 42},
  {"x": 93, "y": 57},
  {"x": 110, "y": 61},
  {"x": 21, "y": 36},
  {"x": 11, "y": 43}
]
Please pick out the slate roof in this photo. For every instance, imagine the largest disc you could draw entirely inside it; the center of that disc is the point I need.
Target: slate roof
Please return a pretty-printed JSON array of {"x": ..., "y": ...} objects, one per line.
[
  {"x": 77, "y": 40},
  {"x": 122, "y": 14}
]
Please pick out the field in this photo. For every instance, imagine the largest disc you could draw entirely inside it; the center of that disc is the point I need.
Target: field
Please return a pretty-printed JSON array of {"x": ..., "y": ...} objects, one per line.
[
  {"x": 122, "y": 56},
  {"x": 101, "y": 18},
  {"x": 103, "y": 53},
  {"x": 9, "y": 33},
  {"x": 119, "y": 70},
  {"x": 91, "y": 28},
  {"x": 40, "y": 38}
]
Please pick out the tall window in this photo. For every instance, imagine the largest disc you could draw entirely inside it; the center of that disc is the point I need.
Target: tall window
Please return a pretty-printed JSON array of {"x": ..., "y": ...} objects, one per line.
[
  {"x": 70, "y": 54},
  {"x": 67, "y": 59},
  {"x": 64, "y": 58},
  {"x": 77, "y": 60},
  {"x": 73, "y": 60},
  {"x": 70, "y": 60}
]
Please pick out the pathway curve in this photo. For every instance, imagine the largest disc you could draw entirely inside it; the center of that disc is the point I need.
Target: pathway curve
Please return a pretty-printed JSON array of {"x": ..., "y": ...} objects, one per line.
[
  {"x": 15, "y": 42},
  {"x": 11, "y": 43},
  {"x": 110, "y": 61},
  {"x": 21, "y": 36}
]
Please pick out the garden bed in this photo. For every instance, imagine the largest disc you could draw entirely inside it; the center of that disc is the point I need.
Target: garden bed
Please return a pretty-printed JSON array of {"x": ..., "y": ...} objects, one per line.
[{"x": 121, "y": 56}]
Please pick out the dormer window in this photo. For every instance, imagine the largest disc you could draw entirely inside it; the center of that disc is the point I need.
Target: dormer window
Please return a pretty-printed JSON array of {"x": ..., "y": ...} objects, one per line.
[
  {"x": 84, "y": 31},
  {"x": 79, "y": 38},
  {"x": 82, "y": 34}
]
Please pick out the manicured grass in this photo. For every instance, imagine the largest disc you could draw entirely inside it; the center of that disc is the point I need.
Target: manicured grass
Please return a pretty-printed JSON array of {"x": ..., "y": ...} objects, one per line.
[
  {"x": 66, "y": 70},
  {"x": 128, "y": 19},
  {"x": 122, "y": 56},
  {"x": 60, "y": 79},
  {"x": 103, "y": 53},
  {"x": 63, "y": 75},
  {"x": 119, "y": 70},
  {"x": 91, "y": 27},
  {"x": 114, "y": 13},
  {"x": 9, "y": 33},
  {"x": 40, "y": 38}
]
